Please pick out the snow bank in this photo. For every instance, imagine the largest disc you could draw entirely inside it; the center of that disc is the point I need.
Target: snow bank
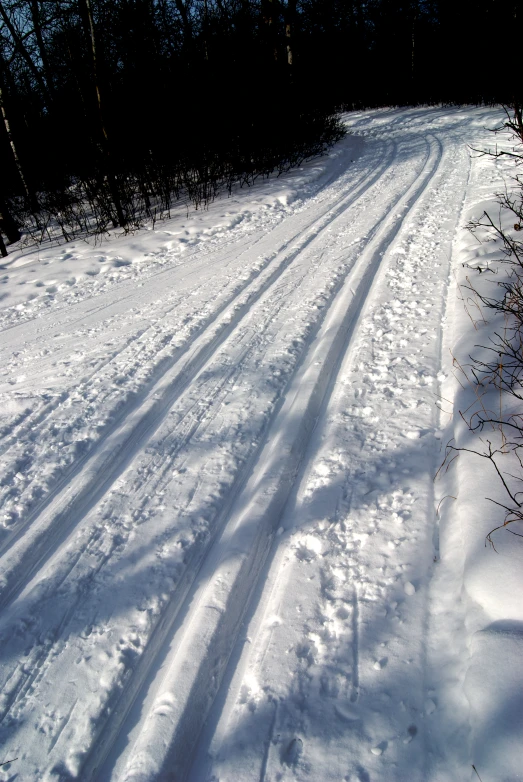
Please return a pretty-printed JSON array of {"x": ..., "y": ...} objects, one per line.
[{"x": 485, "y": 584}]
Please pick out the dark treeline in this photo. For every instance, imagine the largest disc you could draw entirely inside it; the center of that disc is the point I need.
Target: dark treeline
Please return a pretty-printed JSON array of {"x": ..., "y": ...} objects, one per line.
[{"x": 113, "y": 109}]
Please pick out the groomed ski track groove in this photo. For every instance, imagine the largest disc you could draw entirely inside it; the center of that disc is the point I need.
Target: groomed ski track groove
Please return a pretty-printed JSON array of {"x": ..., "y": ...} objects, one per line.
[
  {"x": 37, "y": 331},
  {"x": 202, "y": 588},
  {"x": 198, "y": 676},
  {"x": 81, "y": 487},
  {"x": 239, "y": 711},
  {"x": 220, "y": 553}
]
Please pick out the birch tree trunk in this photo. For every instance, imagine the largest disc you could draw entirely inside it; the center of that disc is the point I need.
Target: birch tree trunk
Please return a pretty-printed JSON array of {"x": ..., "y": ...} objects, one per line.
[{"x": 290, "y": 19}]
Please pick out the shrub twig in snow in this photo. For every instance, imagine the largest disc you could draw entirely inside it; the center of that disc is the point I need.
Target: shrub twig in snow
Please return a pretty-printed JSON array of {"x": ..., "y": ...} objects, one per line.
[{"x": 502, "y": 369}]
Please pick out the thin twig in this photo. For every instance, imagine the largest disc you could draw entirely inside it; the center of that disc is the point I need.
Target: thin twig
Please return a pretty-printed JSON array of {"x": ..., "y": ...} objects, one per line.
[
  {"x": 444, "y": 498},
  {"x": 478, "y": 776},
  {"x": 6, "y": 762}
]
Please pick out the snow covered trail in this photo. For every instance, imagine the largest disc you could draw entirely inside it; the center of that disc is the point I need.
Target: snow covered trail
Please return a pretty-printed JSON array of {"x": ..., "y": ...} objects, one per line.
[
  {"x": 339, "y": 597},
  {"x": 200, "y": 439}
]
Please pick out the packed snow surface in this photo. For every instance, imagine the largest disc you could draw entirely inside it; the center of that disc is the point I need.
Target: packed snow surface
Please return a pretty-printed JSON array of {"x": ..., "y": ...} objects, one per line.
[{"x": 223, "y": 553}]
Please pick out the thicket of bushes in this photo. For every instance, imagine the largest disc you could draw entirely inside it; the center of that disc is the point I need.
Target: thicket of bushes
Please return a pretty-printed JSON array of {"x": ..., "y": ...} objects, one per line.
[
  {"x": 113, "y": 109},
  {"x": 497, "y": 418}
]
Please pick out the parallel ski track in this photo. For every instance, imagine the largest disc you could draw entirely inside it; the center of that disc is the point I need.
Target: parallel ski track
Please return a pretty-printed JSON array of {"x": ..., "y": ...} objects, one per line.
[
  {"x": 27, "y": 424},
  {"x": 180, "y": 619},
  {"x": 91, "y": 476},
  {"x": 244, "y": 244},
  {"x": 250, "y": 656}
]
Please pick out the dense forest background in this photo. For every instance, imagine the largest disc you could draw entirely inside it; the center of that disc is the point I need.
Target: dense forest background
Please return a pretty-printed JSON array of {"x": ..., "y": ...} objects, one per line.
[{"x": 113, "y": 109}]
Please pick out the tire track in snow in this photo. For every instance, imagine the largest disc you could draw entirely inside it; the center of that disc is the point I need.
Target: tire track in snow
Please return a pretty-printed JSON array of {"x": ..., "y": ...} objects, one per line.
[
  {"x": 91, "y": 476},
  {"x": 210, "y": 619}
]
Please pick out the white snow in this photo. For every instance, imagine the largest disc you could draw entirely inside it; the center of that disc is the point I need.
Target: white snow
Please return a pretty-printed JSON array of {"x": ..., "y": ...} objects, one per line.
[{"x": 223, "y": 553}]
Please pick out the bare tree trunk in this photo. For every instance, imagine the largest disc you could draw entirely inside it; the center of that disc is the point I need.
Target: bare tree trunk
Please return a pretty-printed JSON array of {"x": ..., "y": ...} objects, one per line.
[
  {"x": 270, "y": 19},
  {"x": 182, "y": 10},
  {"x": 67, "y": 33},
  {"x": 104, "y": 138},
  {"x": 412, "y": 58},
  {"x": 7, "y": 224},
  {"x": 29, "y": 195},
  {"x": 413, "y": 50},
  {"x": 289, "y": 30},
  {"x": 205, "y": 31},
  {"x": 37, "y": 25},
  {"x": 518, "y": 119}
]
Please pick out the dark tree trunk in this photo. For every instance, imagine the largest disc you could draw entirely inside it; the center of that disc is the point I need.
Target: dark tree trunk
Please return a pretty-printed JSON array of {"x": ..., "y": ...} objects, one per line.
[
  {"x": 28, "y": 193},
  {"x": 37, "y": 25},
  {"x": 7, "y": 224},
  {"x": 290, "y": 20},
  {"x": 270, "y": 11},
  {"x": 413, "y": 49},
  {"x": 182, "y": 10},
  {"x": 104, "y": 138}
]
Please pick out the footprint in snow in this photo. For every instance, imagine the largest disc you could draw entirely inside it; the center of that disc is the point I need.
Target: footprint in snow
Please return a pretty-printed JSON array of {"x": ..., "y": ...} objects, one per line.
[
  {"x": 361, "y": 775},
  {"x": 346, "y": 712},
  {"x": 412, "y": 732},
  {"x": 292, "y": 751}
]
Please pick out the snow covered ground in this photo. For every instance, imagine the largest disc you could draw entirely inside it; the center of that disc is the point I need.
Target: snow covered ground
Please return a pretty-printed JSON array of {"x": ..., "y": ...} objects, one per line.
[{"x": 223, "y": 554}]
